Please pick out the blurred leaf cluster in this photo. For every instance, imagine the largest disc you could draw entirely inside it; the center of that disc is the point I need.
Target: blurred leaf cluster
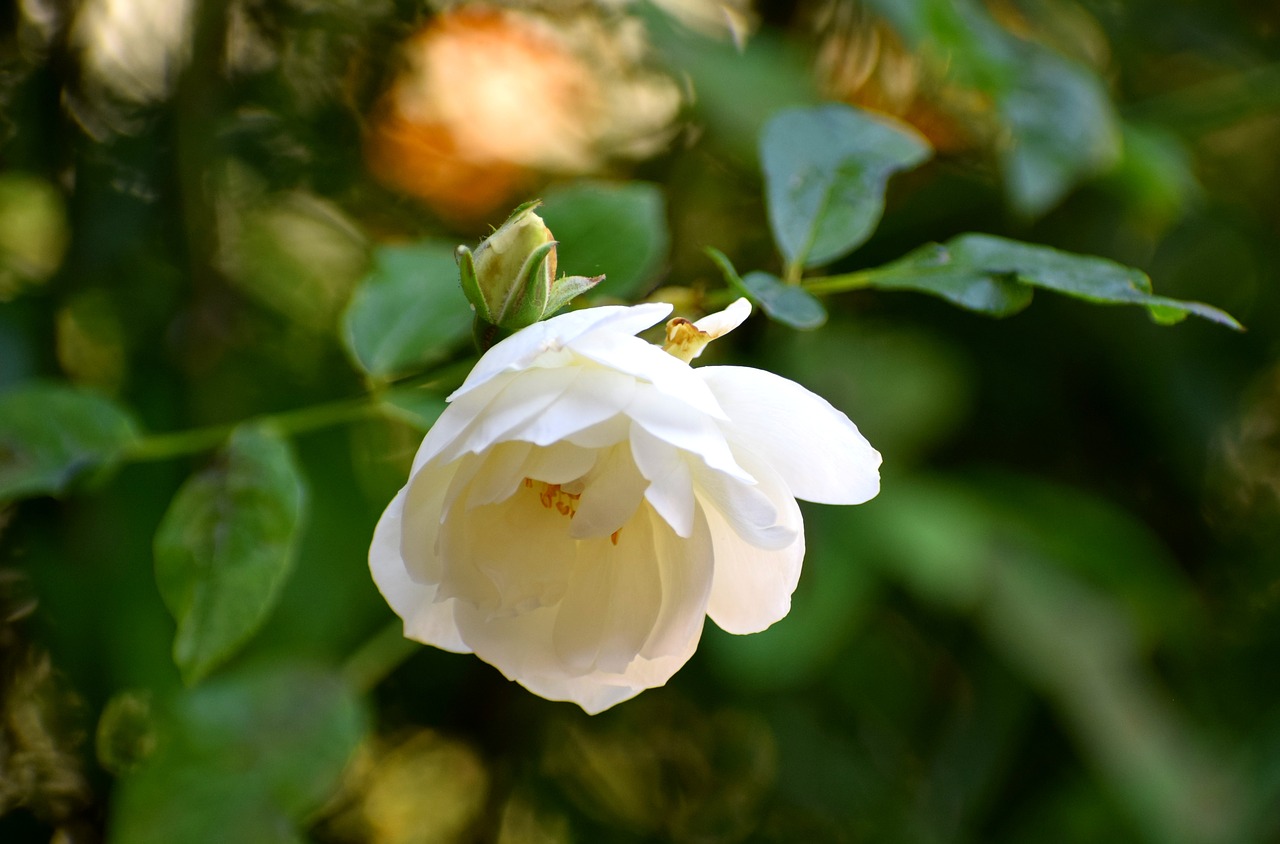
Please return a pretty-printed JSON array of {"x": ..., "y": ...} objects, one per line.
[{"x": 229, "y": 308}]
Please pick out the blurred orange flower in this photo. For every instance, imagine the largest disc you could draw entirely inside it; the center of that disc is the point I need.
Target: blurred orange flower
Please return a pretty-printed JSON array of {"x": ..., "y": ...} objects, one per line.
[{"x": 493, "y": 100}]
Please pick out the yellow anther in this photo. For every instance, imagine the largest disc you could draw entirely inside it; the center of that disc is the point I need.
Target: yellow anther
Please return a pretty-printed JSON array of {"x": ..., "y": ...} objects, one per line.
[{"x": 552, "y": 497}]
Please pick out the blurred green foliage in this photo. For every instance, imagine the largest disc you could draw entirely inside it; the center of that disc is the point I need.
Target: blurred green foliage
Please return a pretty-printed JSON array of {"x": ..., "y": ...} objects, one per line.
[{"x": 1056, "y": 623}]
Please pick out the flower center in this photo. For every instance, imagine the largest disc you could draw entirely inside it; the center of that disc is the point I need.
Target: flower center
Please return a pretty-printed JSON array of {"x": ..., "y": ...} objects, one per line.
[{"x": 553, "y": 497}]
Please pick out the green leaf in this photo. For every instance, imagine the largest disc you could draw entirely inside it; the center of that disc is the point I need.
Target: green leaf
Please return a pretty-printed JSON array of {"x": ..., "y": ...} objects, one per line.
[
  {"x": 995, "y": 276},
  {"x": 936, "y": 270},
  {"x": 618, "y": 230},
  {"x": 825, "y": 170},
  {"x": 225, "y": 548},
  {"x": 408, "y": 312},
  {"x": 785, "y": 303},
  {"x": 50, "y": 434},
  {"x": 1049, "y": 155},
  {"x": 242, "y": 758},
  {"x": 1084, "y": 277},
  {"x": 1033, "y": 87}
]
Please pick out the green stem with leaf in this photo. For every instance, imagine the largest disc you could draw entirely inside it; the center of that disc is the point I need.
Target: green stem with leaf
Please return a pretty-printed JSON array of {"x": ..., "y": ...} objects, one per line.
[{"x": 291, "y": 422}]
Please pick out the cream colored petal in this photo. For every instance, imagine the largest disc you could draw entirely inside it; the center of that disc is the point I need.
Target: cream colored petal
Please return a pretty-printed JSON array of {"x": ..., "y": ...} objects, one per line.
[
  {"x": 559, "y": 463},
  {"x": 752, "y": 511},
  {"x": 752, "y": 586},
  {"x": 611, "y": 604},
  {"x": 610, "y": 432},
  {"x": 521, "y": 349},
  {"x": 814, "y": 447},
  {"x": 523, "y": 647},
  {"x": 685, "y": 428},
  {"x": 670, "y": 376},
  {"x": 455, "y": 420},
  {"x": 685, "y": 568},
  {"x": 424, "y": 498},
  {"x": 670, "y": 489},
  {"x": 523, "y": 397},
  {"x": 613, "y": 491},
  {"x": 722, "y": 322},
  {"x": 502, "y": 471},
  {"x": 595, "y": 395},
  {"x": 426, "y": 619},
  {"x": 518, "y": 648},
  {"x": 510, "y": 557}
]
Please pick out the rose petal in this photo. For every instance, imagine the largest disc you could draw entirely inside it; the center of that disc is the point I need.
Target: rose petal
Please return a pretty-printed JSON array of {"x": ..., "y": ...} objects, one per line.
[
  {"x": 814, "y": 447},
  {"x": 518, "y": 351},
  {"x": 752, "y": 586},
  {"x": 670, "y": 489},
  {"x": 425, "y": 619}
]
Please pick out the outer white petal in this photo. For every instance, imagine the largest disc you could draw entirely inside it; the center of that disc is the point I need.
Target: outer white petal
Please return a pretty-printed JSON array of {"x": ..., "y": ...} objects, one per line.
[
  {"x": 671, "y": 376},
  {"x": 670, "y": 489},
  {"x": 521, "y": 349},
  {"x": 523, "y": 397},
  {"x": 523, "y": 647},
  {"x": 813, "y": 446},
  {"x": 594, "y": 396},
  {"x": 614, "y": 490},
  {"x": 611, "y": 604},
  {"x": 593, "y": 692},
  {"x": 752, "y": 512},
  {"x": 455, "y": 420},
  {"x": 686, "y": 568},
  {"x": 752, "y": 585},
  {"x": 685, "y": 428},
  {"x": 426, "y": 619},
  {"x": 722, "y": 322},
  {"x": 424, "y": 500}
]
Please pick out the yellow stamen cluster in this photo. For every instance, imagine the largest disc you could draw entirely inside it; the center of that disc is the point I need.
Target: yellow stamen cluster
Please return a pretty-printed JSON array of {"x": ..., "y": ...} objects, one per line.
[{"x": 553, "y": 497}]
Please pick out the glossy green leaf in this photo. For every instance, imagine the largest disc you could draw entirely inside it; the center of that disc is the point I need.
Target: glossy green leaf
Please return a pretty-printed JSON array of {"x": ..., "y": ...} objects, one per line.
[
  {"x": 936, "y": 270},
  {"x": 618, "y": 230},
  {"x": 786, "y": 303},
  {"x": 1096, "y": 280},
  {"x": 408, "y": 312},
  {"x": 242, "y": 758},
  {"x": 226, "y": 546},
  {"x": 826, "y": 169},
  {"x": 50, "y": 434},
  {"x": 995, "y": 276}
]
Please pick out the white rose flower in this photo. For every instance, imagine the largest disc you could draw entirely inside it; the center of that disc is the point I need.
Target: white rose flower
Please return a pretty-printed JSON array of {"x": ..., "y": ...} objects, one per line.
[{"x": 588, "y": 498}]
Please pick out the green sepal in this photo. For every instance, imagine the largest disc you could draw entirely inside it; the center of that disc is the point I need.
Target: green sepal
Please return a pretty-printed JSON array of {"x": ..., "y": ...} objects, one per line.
[
  {"x": 530, "y": 292},
  {"x": 566, "y": 288},
  {"x": 470, "y": 284}
]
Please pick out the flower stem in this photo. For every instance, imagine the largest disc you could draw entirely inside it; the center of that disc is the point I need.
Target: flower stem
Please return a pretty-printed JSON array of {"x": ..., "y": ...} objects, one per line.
[
  {"x": 839, "y": 283},
  {"x": 290, "y": 422},
  {"x": 378, "y": 657},
  {"x": 165, "y": 446}
]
